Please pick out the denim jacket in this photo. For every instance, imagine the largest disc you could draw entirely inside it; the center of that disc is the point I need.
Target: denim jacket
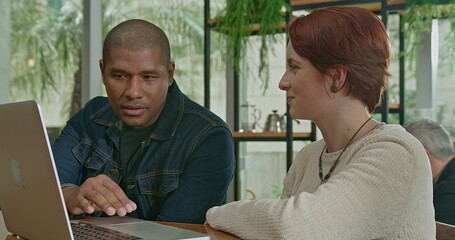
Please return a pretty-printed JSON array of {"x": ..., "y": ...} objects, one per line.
[{"x": 177, "y": 174}]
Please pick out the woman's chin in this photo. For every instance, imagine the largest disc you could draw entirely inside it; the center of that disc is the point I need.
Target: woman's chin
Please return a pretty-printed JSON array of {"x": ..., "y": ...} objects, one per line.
[
  {"x": 294, "y": 114},
  {"x": 298, "y": 116}
]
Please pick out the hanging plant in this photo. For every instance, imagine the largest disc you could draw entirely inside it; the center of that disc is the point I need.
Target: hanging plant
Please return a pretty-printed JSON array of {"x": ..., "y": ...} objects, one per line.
[
  {"x": 241, "y": 18},
  {"x": 416, "y": 21}
]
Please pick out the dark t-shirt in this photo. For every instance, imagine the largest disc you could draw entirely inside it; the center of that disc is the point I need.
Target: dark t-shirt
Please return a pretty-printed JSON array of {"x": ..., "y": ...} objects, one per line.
[{"x": 130, "y": 141}]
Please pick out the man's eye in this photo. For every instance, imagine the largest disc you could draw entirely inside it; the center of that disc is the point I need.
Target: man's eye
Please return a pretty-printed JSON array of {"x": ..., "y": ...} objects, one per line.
[
  {"x": 120, "y": 76},
  {"x": 149, "y": 77}
]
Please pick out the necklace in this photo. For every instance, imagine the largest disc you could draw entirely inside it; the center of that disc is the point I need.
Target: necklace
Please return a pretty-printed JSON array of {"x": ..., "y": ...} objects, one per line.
[{"x": 327, "y": 176}]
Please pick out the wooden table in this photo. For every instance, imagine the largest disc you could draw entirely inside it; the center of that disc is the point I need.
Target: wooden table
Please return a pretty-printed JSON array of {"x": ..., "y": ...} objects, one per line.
[{"x": 215, "y": 235}]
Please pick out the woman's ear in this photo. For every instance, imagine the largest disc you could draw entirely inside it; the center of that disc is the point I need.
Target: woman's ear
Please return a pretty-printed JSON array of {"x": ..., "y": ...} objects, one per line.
[{"x": 339, "y": 75}]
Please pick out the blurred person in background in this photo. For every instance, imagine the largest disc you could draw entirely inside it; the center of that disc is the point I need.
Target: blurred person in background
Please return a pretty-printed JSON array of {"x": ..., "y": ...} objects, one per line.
[{"x": 440, "y": 150}]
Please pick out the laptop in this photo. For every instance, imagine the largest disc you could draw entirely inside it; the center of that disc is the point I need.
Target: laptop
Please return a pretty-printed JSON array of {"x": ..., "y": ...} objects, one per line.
[{"x": 31, "y": 200}]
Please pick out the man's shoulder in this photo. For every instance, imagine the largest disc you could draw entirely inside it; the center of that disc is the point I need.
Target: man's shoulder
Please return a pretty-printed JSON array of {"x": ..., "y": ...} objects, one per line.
[
  {"x": 93, "y": 107},
  {"x": 99, "y": 101},
  {"x": 95, "y": 104},
  {"x": 198, "y": 112}
]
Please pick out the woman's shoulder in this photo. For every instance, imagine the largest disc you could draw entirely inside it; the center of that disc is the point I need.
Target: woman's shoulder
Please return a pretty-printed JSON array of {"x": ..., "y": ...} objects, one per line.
[
  {"x": 391, "y": 133},
  {"x": 309, "y": 151},
  {"x": 312, "y": 147},
  {"x": 392, "y": 141}
]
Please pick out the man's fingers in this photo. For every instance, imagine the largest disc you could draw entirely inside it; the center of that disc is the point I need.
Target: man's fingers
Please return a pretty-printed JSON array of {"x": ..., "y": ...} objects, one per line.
[
  {"x": 85, "y": 205},
  {"x": 102, "y": 198},
  {"x": 75, "y": 211},
  {"x": 108, "y": 196},
  {"x": 76, "y": 203},
  {"x": 120, "y": 199},
  {"x": 133, "y": 205},
  {"x": 98, "y": 193}
]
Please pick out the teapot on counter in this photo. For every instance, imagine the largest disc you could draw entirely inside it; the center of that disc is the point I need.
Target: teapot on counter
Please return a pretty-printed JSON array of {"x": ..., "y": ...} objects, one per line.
[{"x": 275, "y": 122}]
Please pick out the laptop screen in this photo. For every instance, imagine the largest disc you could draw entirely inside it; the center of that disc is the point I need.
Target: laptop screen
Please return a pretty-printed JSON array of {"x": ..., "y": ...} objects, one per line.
[{"x": 30, "y": 196}]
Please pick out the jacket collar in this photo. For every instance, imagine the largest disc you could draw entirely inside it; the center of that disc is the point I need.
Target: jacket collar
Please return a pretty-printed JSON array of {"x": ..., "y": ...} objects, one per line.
[
  {"x": 165, "y": 126},
  {"x": 167, "y": 123},
  {"x": 446, "y": 173}
]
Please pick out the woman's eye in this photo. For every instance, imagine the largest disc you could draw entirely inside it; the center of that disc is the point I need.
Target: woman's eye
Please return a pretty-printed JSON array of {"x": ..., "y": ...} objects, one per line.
[{"x": 291, "y": 66}]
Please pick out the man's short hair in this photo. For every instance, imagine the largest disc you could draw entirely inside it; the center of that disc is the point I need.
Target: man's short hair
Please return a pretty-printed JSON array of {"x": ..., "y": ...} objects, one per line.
[
  {"x": 433, "y": 136},
  {"x": 137, "y": 35}
]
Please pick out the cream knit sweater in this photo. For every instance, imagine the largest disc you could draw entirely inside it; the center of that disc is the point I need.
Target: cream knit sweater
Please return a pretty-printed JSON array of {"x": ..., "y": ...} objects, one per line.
[{"x": 381, "y": 189}]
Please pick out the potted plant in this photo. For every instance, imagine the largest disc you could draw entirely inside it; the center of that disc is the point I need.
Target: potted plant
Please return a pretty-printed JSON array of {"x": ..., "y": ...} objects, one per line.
[
  {"x": 416, "y": 20},
  {"x": 242, "y": 18}
]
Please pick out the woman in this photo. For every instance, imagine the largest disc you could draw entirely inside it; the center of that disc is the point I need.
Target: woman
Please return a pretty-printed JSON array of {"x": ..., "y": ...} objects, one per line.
[{"x": 364, "y": 179}]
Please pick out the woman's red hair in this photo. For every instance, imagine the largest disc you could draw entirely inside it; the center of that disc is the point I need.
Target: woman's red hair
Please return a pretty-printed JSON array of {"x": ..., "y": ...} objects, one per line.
[{"x": 350, "y": 36}]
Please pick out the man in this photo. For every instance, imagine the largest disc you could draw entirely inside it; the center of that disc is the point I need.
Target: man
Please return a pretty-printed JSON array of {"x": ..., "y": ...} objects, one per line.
[
  {"x": 146, "y": 151},
  {"x": 440, "y": 150}
]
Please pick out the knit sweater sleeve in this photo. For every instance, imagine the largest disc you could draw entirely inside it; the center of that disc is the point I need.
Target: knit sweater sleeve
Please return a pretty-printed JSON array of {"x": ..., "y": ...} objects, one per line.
[
  {"x": 292, "y": 176},
  {"x": 367, "y": 199}
]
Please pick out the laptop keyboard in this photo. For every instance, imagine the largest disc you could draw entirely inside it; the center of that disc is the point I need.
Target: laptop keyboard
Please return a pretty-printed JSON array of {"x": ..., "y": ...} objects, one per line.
[{"x": 82, "y": 231}]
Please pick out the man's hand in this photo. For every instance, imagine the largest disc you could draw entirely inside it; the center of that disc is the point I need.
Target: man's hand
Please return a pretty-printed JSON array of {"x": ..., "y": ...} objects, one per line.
[{"x": 98, "y": 193}]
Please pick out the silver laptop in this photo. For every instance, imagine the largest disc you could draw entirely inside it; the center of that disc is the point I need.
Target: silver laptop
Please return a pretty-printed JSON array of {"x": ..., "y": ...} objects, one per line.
[{"x": 30, "y": 196}]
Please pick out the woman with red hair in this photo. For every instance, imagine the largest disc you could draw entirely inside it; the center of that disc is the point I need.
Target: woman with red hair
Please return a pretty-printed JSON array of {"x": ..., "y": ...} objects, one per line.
[{"x": 364, "y": 179}]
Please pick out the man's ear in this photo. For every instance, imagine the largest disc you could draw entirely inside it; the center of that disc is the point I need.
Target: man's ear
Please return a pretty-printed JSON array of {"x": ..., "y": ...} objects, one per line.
[
  {"x": 101, "y": 62},
  {"x": 170, "y": 72},
  {"x": 102, "y": 66}
]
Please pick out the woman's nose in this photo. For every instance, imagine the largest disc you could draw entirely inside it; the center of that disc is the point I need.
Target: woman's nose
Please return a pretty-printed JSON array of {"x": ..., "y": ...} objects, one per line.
[{"x": 284, "y": 83}]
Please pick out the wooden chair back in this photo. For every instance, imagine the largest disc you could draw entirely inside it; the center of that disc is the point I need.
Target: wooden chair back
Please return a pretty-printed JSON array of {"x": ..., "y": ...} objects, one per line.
[{"x": 445, "y": 231}]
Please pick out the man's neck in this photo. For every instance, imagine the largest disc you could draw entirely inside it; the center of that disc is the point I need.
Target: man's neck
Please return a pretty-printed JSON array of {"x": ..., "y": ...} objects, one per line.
[{"x": 438, "y": 165}]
